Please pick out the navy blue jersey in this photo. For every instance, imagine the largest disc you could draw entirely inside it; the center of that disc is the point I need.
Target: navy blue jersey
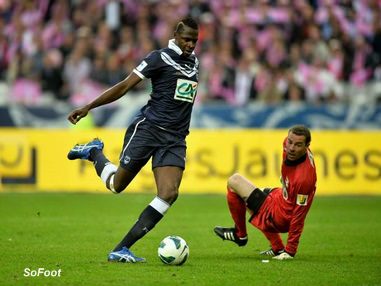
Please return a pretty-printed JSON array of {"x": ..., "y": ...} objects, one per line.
[{"x": 174, "y": 86}]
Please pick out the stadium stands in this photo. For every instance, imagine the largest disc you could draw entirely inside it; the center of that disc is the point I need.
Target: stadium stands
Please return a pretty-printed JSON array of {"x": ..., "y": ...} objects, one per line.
[{"x": 269, "y": 51}]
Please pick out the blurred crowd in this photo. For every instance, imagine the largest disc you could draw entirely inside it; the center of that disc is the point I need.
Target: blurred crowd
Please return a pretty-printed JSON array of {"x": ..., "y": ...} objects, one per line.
[{"x": 267, "y": 50}]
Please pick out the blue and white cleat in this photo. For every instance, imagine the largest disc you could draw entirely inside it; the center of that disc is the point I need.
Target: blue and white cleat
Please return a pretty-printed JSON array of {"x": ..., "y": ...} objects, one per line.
[
  {"x": 82, "y": 151},
  {"x": 124, "y": 255}
]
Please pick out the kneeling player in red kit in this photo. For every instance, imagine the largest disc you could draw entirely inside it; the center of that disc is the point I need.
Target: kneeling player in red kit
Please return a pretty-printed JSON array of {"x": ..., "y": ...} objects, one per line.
[{"x": 275, "y": 210}]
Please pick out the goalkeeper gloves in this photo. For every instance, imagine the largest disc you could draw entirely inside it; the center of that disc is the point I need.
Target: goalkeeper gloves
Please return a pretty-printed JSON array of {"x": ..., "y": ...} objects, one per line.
[
  {"x": 278, "y": 255},
  {"x": 283, "y": 256}
]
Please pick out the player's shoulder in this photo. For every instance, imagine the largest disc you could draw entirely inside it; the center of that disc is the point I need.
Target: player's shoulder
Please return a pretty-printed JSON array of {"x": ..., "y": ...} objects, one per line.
[
  {"x": 168, "y": 51},
  {"x": 310, "y": 159},
  {"x": 309, "y": 164},
  {"x": 166, "y": 54},
  {"x": 154, "y": 54},
  {"x": 306, "y": 169},
  {"x": 307, "y": 172}
]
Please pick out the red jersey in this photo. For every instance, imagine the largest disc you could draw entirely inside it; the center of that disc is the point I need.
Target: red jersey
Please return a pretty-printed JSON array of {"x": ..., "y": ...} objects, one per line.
[{"x": 286, "y": 208}]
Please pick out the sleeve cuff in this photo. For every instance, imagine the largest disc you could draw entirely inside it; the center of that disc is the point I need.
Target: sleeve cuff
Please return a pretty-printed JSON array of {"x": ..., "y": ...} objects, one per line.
[{"x": 139, "y": 74}]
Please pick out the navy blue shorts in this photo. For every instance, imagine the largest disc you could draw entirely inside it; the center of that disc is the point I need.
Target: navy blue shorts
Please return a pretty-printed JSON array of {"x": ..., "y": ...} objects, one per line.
[{"x": 144, "y": 140}]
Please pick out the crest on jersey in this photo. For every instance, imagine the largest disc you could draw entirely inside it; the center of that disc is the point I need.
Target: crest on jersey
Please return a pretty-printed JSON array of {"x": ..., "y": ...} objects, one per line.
[
  {"x": 126, "y": 159},
  {"x": 185, "y": 90},
  {"x": 301, "y": 200}
]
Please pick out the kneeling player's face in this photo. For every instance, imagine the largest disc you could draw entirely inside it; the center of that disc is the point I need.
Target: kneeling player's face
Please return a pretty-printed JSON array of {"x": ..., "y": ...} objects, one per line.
[
  {"x": 295, "y": 146},
  {"x": 186, "y": 40}
]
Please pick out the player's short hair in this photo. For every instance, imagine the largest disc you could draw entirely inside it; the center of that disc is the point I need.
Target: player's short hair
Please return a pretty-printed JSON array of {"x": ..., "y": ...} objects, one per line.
[
  {"x": 189, "y": 22},
  {"x": 301, "y": 130}
]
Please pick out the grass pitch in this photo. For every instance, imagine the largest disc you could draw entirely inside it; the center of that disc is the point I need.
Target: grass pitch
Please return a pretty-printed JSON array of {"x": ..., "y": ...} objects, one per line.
[{"x": 341, "y": 243}]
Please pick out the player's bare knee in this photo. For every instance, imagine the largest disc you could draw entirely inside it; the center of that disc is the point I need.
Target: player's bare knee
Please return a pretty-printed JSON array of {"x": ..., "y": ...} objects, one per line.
[
  {"x": 169, "y": 195},
  {"x": 174, "y": 197},
  {"x": 234, "y": 181},
  {"x": 118, "y": 189},
  {"x": 115, "y": 187}
]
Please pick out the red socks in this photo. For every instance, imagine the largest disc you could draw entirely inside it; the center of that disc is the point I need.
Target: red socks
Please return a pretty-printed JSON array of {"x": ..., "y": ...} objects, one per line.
[{"x": 237, "y": 209}]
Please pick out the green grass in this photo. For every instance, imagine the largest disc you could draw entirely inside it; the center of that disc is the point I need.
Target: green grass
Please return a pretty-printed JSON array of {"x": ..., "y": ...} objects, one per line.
[{"x": 341, "y": 243}]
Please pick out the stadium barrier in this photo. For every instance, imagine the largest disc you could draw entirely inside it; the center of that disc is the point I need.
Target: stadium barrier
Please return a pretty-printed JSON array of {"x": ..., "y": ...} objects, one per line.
[
  {"x": 358, "y": 114},
  {"x": 348, "y": 162}
]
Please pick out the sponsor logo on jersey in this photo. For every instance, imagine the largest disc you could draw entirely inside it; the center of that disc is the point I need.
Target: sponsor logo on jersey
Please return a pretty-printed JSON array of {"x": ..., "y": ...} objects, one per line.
[
  {"x": 185, "y": 90},
  {"x": 142, "y": 65},
  {"x": 301, "y": 200}
]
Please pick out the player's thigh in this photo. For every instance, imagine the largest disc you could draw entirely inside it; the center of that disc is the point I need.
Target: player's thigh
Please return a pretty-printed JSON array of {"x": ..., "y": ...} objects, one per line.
[
  {"x": 123, "y": 178},
  {"x": 170, "y": 154},
  {"x": 241, "y": 185},
  {"x": 138, "y": 146}
]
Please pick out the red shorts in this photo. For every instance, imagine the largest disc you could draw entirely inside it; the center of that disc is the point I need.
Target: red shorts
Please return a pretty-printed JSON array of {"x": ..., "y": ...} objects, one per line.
[{"x": 269, "y": 216}]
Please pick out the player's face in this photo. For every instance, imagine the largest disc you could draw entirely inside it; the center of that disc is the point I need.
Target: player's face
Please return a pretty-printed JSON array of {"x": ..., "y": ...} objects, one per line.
[
  {"x": 186, "y": 40},
  {"x": 295, "y": 146}
]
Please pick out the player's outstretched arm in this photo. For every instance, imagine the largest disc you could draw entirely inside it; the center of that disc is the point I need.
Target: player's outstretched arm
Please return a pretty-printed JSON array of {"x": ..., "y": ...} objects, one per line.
[{"x": 110, "y": 95}]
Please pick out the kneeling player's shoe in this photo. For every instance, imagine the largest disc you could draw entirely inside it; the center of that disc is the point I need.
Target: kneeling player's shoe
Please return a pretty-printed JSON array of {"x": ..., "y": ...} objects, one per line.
[
  {"x": 124, "y": 255},
  {"x": 271, "y": 252},
  {"x": 228, "y": 233},
  {"x": 82, "y": 151}
]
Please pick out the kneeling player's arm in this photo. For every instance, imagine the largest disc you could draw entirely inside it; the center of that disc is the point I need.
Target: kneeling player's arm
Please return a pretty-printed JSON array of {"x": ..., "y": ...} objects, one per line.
[{"x": 296, "y": 227}]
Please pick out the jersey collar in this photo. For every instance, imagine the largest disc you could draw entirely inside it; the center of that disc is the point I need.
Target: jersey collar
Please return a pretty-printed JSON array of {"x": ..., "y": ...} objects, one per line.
[
  {"x": 296, "y": 162},
  {"x": 172, "y": 45}
]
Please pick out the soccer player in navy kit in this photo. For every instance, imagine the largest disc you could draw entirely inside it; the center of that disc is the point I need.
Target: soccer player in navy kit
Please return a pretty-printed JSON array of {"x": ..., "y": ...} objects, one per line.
[
  {"x": 158, "y": 132},
  {"x": 277, "y": 210}
]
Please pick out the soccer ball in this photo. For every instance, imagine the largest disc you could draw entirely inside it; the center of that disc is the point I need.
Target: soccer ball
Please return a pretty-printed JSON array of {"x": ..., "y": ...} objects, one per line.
[{"x": 173, "y": 250}]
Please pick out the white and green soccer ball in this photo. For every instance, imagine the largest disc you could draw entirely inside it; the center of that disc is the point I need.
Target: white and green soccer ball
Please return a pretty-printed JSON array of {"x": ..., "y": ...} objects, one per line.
[{"x": 173, "y": 250}]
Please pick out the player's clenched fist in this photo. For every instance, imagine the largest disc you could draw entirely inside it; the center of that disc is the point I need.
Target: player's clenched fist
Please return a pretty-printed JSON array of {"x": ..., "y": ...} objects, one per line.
[{"x": 77, "y": 114}]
